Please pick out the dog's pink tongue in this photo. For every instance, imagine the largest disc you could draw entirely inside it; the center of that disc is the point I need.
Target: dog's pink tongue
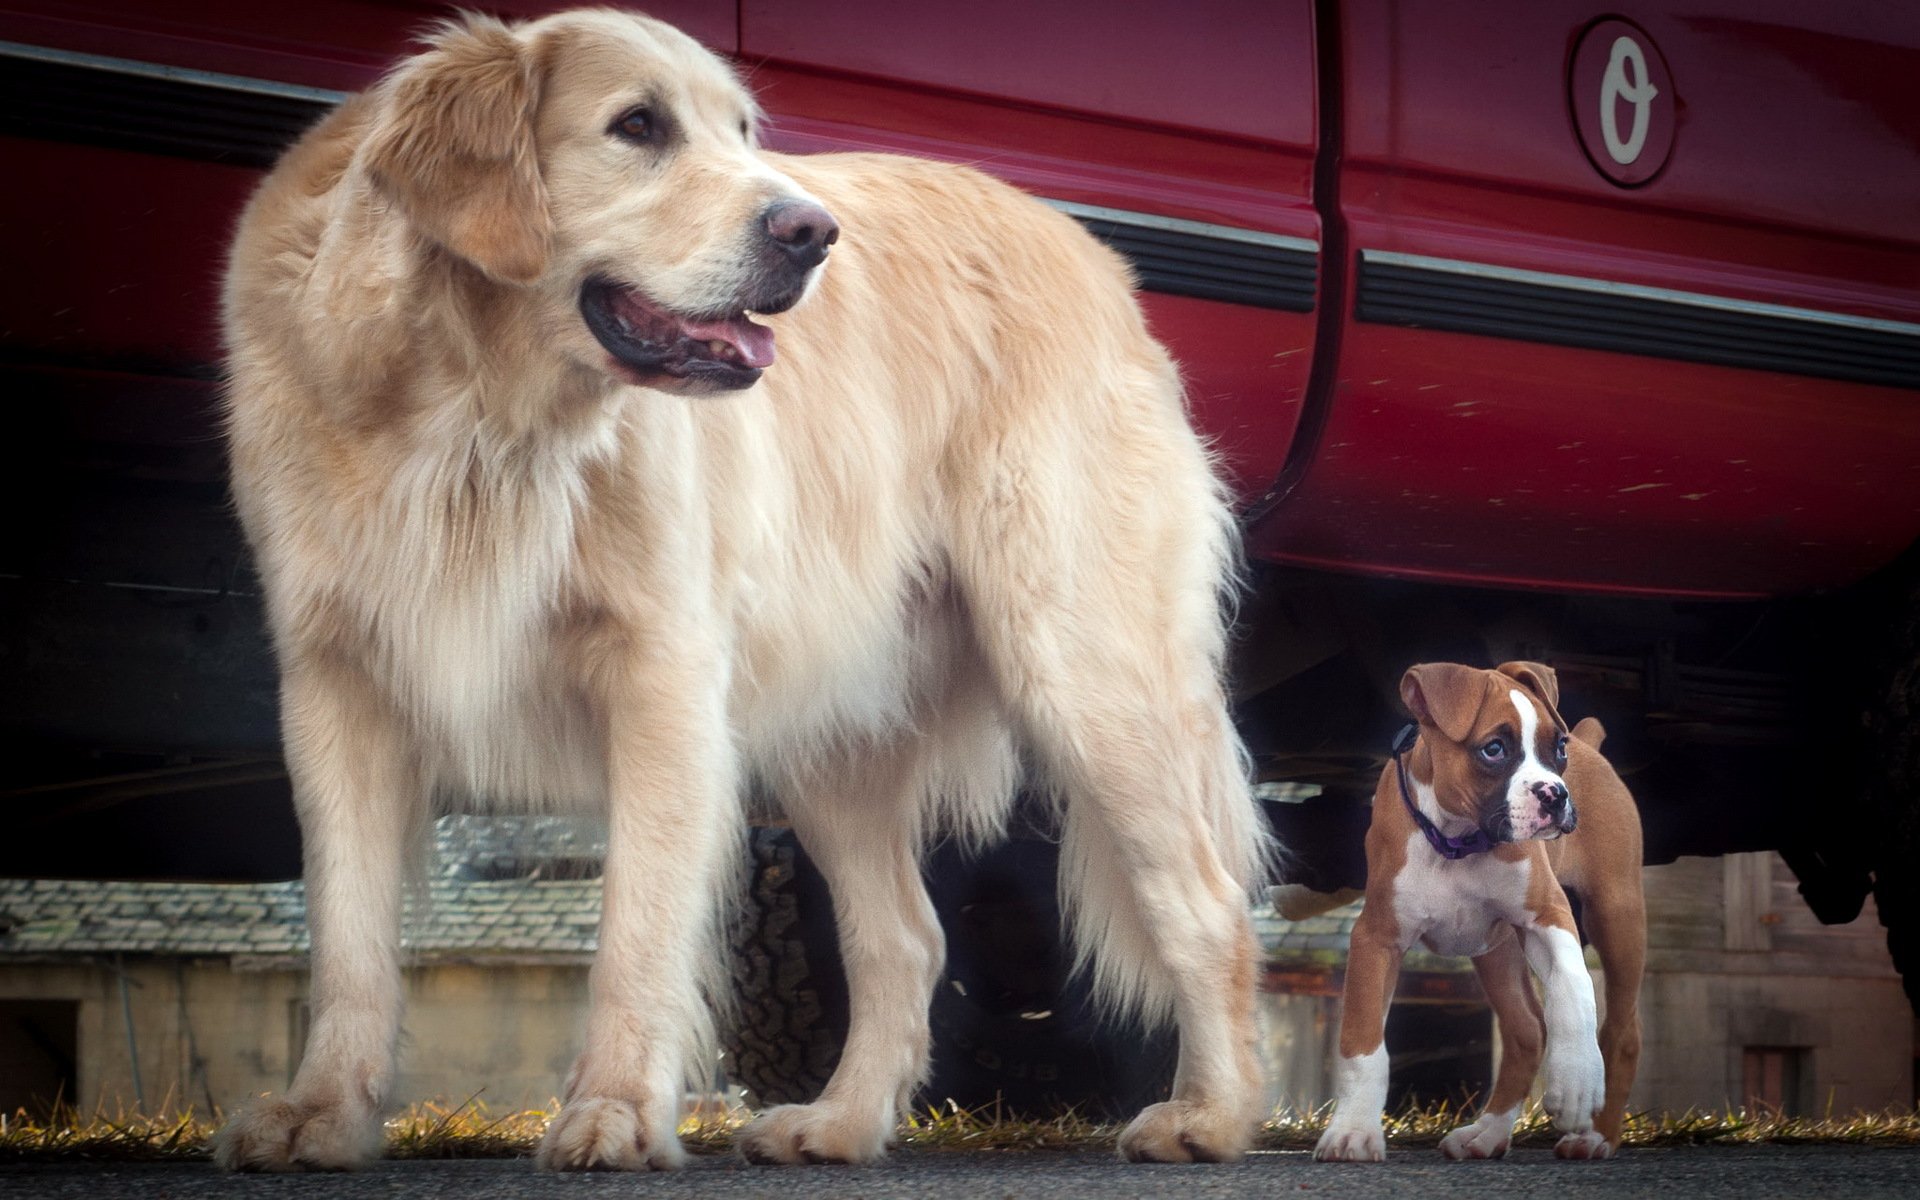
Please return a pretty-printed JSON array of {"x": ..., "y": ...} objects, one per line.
[{"x": 753, "y": 343}]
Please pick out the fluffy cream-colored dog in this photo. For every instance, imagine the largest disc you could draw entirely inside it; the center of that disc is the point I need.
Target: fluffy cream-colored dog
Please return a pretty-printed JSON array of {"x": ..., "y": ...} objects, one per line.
[{"x": 596, "y": 461}]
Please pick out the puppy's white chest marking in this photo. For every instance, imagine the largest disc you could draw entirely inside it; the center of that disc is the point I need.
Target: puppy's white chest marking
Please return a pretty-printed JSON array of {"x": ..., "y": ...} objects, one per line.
[{"x": 1457, "y": 906}]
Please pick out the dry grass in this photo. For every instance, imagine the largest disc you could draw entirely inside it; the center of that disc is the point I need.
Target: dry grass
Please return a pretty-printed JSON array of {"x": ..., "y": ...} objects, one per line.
[
  {"x": 471, "y": 1130},
  {"x": 1290, "y": 1130}
]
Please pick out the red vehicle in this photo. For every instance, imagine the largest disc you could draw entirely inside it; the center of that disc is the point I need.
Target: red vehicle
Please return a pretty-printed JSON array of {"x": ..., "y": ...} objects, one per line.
[{"x": 1532, "y": 329}]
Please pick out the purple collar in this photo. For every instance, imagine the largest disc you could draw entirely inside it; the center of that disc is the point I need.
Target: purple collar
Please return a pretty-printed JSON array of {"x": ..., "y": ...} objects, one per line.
[{"x": 1476, "y": 842}]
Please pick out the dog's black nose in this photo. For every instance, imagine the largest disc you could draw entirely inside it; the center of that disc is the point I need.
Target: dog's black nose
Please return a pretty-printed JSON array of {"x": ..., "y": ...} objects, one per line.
[
  {"x": 1552, "y": 797},
  {"x": 802, "y": 230}
]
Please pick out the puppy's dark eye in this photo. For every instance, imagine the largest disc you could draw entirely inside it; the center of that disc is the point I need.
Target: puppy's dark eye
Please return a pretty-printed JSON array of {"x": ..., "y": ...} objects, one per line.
[
  {"x": 1494, "y": 751},
  {"x": 1560, "y": 748},
  {"x": 635, "y": 125}
]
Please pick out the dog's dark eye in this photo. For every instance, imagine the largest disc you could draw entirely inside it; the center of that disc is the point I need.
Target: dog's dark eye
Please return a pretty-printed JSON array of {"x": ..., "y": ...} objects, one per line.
[
  {"x": 1560, "y": 748},
  {"x": 1494, "y": 751},
  {"x": 635, "y": 125}
]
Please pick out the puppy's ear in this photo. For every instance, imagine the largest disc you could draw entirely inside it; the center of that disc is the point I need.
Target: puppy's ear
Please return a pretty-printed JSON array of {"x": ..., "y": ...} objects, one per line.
[
  {"x": 453, "y": 147},
  {"x": 1537, "y": 678},
  {"x": 1446, "y": 696}
]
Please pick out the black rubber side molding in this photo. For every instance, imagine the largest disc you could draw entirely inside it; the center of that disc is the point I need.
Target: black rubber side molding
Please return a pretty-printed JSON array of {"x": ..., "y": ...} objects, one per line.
[
  {"x": 1179, "y": 262},
  {"x": 180, "y": 117},
  {"x": 1594, "y": 315},
  {"x": 135, "y": 106}
]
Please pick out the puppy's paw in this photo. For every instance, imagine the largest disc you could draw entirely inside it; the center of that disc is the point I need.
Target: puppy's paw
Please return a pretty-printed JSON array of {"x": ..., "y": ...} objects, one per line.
[
  {"x": 1488, "y": 1137},
  {"x": 815, "y": 1133},
  {"x": 601, "y": 1133},
  {"x": 1575, "y": 1087},
  {"x": 1351, "y": 1142},
  {"x": 1582, "y": 1146},
  {"x": 287, "y": 1134},
  {"x": 1186, "y": 1131}
]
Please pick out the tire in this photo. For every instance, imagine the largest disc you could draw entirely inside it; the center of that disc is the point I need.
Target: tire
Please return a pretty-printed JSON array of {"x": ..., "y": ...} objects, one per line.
[
  {"x": 1893, "y": 725},
  {"x": 790, "y": 997},
  {"x": 1014, "y": 1030}
]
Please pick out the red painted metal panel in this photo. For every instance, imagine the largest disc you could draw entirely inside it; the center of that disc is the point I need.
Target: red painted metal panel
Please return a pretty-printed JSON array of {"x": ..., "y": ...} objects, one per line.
[
  {"x": 1589, "y": 471},
  {"x": 340, "y": 44},
  {"x": 1240, "y": 67},
  {"x": 1792, "y": 180},
  {"x": 1063, "y": 155},
  {"x": 114, "y": 258},
  {"x": 1203, "y": 112}
]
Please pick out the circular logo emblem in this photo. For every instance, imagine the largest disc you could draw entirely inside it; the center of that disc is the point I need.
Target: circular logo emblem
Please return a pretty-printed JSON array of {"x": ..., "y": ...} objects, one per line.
[{"x": 1622, "y": 101}]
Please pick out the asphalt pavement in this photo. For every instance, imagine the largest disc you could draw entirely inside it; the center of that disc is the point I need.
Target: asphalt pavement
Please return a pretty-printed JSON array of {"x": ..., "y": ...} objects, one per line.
[{"x": 1688, "y": 1173}]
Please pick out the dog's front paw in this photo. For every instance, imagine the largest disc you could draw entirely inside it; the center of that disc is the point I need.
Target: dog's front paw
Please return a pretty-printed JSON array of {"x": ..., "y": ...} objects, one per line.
[
  {"x": 1488, "y": 1137},
  {"x": 1351, "y": 1142},
  {"x": 1576, "y": 1087},
  {"x": 601, "y": 1133},
  {"x": 289, "y": 1134},
  {"x": 815, "y": 1133},
  {"x": 1187, "y": 1131},
  {"x": 1586, "y": 1145}
]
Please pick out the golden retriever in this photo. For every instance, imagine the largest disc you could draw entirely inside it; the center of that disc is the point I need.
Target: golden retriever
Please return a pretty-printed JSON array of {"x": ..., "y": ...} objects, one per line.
[{"x": 544, "y": 522}]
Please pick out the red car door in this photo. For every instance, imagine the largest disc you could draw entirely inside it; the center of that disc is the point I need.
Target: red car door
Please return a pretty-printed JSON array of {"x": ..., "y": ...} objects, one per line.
[
  {"x": 1635, "y": 297},
  {"x": 1183, "y": 135}
]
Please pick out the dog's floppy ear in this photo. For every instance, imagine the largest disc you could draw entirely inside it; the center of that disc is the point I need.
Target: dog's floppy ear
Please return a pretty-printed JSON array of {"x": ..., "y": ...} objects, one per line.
[
  {"x": 1537, "y": 678},
  {"x": 453, "y": 147},
  {"x": 1446, "y": 696}
]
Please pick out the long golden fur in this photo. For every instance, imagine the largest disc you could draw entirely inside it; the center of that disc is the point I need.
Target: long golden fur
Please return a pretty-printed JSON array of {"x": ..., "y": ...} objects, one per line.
[{"x": 960, "y": 530}]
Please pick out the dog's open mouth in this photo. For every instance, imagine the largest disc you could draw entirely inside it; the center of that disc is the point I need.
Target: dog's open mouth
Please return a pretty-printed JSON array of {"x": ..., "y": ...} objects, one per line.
[{"x": 714, "y": 353}]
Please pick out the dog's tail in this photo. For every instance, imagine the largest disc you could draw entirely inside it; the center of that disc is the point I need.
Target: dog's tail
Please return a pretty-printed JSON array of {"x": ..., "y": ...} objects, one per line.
[{"x": 1590, "y": 731}]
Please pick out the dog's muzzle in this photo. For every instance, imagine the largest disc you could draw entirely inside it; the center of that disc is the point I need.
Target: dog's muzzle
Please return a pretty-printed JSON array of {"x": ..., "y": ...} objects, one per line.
[
  {"x": 714, "y": 351},
  {"x": 1556, "y": 808},
  {"x": 721, "y": 352}
]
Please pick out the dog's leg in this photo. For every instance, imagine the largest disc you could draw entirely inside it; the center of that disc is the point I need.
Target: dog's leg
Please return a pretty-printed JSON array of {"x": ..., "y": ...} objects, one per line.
[
  {"x": 860, "y": 826},
  {"x": 673, "y": 825},
  {"x": 1153, "y": 877},
  {"x": 1090, "y": 555},
  {"x": 1353, "y": 1134},
  {"x": 1617, "y": 921},
  {"x": 1573, "y": 1089},
  {"x": 1503, "y": 973},
  {"x": 360, "y": 802}
]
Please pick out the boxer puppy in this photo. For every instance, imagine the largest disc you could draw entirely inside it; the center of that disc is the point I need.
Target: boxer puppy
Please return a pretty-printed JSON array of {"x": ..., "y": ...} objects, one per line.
[{"x": 1472, "y": 842}]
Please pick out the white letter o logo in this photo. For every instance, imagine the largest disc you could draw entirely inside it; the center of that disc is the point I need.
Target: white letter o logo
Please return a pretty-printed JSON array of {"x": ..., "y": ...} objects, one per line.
[{"x": 1626, "y": 79}]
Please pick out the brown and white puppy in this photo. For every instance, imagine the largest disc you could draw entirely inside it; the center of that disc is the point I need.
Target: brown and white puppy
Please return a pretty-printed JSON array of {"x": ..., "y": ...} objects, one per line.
[
  {"x": 543, "y": 522},
  {"x": 1494, "y": 766}
]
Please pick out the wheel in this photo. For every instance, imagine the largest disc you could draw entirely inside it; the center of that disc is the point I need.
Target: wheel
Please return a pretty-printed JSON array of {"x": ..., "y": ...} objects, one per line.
[
  {"x": 790, "y": 997},
  {"x": 1893, "y": 786},
  {"x": 1014, "y": 1029}
]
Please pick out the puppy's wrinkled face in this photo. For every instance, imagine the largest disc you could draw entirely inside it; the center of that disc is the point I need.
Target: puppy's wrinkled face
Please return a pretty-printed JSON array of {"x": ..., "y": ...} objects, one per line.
[
  {"x": 1498, "y": 747},
  {"x": 1511, "y": 764},
  {"x": 670, "y": 233}
]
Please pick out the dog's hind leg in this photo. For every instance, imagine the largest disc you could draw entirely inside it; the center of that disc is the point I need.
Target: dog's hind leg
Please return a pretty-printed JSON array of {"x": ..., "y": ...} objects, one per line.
[
  {"x": 1523, "y": 1034},
  {"x": 859, "y": 821},
  {"x": 1100, "y": 617},
  {"x": 360, "y": 803},
  {"x": 1159, "y": 905}
]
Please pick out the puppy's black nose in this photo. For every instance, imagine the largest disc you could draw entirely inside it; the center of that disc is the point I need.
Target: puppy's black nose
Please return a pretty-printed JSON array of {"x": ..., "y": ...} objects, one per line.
[
  {"x": 1552, "y": 797},
  {"x": 802, "y": 230}
]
